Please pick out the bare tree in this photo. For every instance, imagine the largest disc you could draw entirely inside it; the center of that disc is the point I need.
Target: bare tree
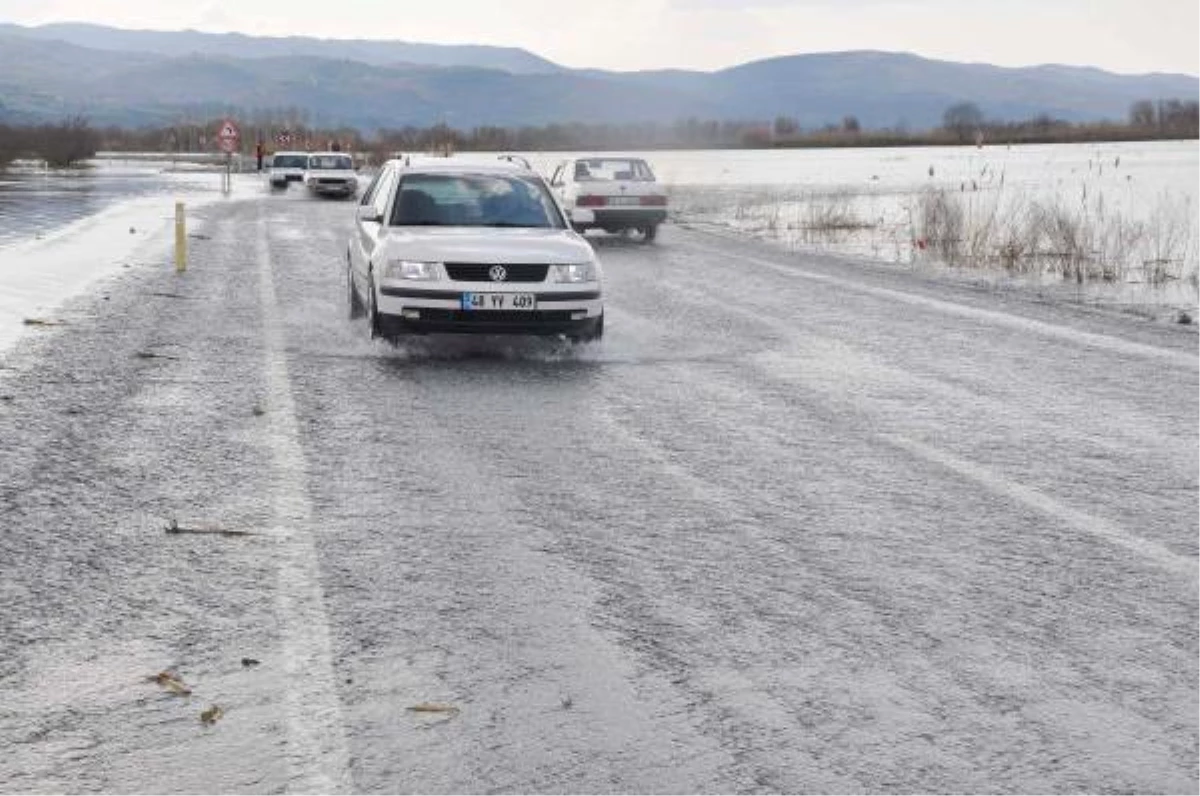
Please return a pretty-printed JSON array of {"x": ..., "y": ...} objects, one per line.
[
  {"x": 1141, "y": 114},
  {"x": 963, "y": 119},
  {"x": 785, "y": 126}
]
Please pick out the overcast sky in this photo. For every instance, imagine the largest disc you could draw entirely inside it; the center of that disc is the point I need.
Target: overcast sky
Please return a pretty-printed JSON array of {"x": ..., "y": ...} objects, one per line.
[{"x": 1130, "y": 36}]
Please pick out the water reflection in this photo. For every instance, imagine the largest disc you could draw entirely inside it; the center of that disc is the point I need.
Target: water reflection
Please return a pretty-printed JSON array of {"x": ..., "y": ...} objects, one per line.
[{"x": 35, "y": 200}]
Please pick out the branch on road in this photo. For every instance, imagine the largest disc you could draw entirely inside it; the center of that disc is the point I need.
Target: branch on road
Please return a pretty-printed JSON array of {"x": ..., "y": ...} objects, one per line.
[{"x": 175, "y": 528}]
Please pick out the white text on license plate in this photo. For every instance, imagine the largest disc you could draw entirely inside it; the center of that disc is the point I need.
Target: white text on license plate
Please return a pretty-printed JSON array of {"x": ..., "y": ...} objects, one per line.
[{"x": 499, "y": 301}]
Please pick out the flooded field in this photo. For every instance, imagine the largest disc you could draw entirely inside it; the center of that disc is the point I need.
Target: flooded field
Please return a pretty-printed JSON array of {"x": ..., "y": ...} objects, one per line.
[
  {"x": 1114, "y": 222},
  {"x": 35, "y": 201}
]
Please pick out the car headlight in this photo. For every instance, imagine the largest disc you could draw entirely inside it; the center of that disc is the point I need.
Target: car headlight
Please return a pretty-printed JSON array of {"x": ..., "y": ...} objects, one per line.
[
  {"x": 575, "y": 272},
  {"x": 413, "y": 269}
]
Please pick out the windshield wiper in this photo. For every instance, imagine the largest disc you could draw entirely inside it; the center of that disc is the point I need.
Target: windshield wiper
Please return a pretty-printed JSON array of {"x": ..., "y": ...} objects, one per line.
[{"x": 513, "y": 225}]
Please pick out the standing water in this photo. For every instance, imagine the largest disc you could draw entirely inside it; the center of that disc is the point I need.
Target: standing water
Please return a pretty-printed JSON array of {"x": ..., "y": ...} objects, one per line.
[{"x": 35, "y": 200}]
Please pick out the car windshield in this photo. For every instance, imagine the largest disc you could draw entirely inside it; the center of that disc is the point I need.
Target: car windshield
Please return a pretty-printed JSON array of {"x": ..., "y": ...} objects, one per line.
[
  {"x": 474, "y": 200},
  {"x": 288, "y": 161},
  {"x": 330, "y": 162},
  {"x": 598, "y": 169}
]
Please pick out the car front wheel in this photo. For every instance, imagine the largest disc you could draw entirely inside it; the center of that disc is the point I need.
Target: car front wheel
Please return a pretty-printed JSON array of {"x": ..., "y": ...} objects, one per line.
[
  {"x": 591, "y": 336},
  {"x": 373, "y": 322},
  {"x": 357, "y": 310}
]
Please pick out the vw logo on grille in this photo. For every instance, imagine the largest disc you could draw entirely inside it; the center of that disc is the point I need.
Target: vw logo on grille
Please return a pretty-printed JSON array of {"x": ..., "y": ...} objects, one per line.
[{"x": 498, "y": 273}]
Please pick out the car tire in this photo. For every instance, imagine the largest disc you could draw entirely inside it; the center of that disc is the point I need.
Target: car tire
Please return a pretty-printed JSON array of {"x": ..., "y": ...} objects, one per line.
[
  {"x": 374, "y": 325},
  {"x": 357, "y": 310},
  {"x": 596, "y": 334},
  {"x": 650, "y": 233}
]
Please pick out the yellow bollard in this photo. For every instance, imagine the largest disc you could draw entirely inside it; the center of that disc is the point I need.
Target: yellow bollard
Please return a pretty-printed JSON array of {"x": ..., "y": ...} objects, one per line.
[{"x": 180, "y": 239}]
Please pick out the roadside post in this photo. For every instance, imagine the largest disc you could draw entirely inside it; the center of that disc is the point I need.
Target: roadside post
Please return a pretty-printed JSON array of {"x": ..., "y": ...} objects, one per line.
[
  {"x": 228, "y": 137},
  {"x": 180, "y": 239}
]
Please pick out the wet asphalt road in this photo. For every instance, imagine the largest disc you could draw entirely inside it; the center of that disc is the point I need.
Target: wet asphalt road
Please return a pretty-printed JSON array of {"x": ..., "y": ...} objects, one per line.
[{"x": 794, "y": 525}]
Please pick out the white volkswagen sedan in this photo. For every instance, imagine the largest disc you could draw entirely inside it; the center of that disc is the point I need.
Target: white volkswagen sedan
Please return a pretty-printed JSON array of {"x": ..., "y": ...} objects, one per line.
[{"x": 442, "y": 245}]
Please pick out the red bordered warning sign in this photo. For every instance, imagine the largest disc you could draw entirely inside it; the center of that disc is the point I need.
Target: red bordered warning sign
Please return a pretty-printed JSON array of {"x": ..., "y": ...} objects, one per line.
[{"x": 228, "y": 136}]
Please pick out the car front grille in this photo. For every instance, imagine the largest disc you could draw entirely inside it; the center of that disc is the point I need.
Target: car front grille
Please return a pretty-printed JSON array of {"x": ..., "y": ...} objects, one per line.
[{"x": 480, "y": 272}]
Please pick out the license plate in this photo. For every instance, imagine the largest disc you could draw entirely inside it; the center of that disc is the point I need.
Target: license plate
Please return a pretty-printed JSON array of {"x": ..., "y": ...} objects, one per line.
[
  {"x": 623, "y": 201},
  {"x": 499, "y": 301}
]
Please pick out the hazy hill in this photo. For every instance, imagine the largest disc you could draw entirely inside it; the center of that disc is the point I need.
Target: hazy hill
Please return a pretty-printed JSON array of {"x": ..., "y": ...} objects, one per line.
[
  {"x": 237, "y": 45},
  {"x": 45, "y": 79},
  {"x": 900, "y": 86}
]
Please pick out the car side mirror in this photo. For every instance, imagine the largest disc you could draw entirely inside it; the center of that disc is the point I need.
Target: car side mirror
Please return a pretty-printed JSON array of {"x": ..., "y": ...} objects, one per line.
[{"x": 368, "y": 213}]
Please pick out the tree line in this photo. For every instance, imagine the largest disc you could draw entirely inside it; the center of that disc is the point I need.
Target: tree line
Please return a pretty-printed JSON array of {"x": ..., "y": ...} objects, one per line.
[
  {"x": 60, "y": 144},
  {"x": 1170, "y": 119},
  {"x": 962, "y": 123},
  {"x": 74, "y": 139}
]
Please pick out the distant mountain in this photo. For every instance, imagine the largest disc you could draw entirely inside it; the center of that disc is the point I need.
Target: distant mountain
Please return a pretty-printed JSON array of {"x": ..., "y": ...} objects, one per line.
[
  {"x": 367, "y": 86},
  {"x": 886, "y": 89},
  {"x": 237, "y": 45}
]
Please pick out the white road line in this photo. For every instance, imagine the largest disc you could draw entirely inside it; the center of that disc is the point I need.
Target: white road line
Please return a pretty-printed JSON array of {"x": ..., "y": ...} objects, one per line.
[
  {"x": 1078, "y": 520},
  {"x": 1091, "y": 339},
  {"x": 316, "y": 743}
]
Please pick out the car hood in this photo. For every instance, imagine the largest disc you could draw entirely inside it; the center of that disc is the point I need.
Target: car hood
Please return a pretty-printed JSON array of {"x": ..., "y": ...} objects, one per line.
[{"x": 487, "y": 245}]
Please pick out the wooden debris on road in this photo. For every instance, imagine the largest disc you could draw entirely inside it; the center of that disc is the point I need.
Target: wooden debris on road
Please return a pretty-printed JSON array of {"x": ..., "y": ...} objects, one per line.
[
  {"x": 171, "y": 682},
  {"x": 433, "y": 707},
  {"x": 212, "y": 715},
  {"x": 175, "y": 528}
]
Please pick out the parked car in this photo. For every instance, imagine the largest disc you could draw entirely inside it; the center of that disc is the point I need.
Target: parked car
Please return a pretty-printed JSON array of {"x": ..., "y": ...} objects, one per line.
[
  {"x": 617, "y": 193},
  {"x": 331, "y": 174},
  {"x": 441, "y": 245},
  {"x": 287, "y": 167}
]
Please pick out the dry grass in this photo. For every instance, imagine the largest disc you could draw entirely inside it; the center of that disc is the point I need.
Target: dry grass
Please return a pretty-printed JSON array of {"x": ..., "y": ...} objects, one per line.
[
  {"x": 981, "y": 224},
  {"x": 1075, "y": 240}
]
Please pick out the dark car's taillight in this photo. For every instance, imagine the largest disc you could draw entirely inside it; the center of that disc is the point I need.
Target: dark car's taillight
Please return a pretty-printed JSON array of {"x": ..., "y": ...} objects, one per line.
[
  {"x": 591, "y": 201},
  {"x": 654, "y": 201}
]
